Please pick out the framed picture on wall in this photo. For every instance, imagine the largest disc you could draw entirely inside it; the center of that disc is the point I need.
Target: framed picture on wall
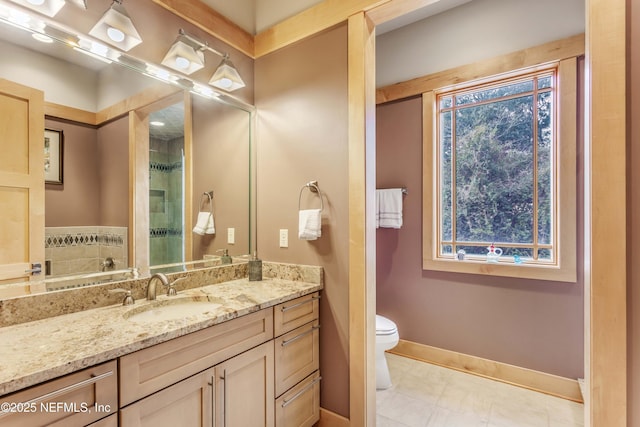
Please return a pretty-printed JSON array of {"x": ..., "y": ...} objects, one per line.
[{"x": 53, "y": 142}]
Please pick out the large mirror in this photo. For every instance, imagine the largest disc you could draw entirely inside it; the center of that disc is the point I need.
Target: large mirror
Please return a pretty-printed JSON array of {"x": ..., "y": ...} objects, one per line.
[{"x": 198, "y": 160}]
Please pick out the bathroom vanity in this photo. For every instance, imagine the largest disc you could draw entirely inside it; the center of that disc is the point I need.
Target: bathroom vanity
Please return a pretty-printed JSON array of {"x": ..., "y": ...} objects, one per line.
[{"x": 250, "y": 357}]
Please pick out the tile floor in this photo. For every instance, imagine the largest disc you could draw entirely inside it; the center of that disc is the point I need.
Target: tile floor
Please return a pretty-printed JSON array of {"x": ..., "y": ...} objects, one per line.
[{"x": 425, "y": 395}]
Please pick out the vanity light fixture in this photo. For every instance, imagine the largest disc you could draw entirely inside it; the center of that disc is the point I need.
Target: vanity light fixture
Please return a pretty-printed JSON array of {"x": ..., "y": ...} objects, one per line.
[
  {"x": 186, "y": 56},
  {"x": 226, "y": 76},
  {"x": 46, "y": 7},
  {"x": 116, "y": 28}
]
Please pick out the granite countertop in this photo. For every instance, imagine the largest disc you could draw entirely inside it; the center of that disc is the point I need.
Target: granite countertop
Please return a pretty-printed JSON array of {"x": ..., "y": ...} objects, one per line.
[{"x": 41, "y": 350}]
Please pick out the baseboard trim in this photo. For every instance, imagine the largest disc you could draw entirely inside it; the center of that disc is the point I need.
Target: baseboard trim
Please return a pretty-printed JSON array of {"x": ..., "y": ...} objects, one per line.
[
  {"x": 554, "y": 385},
  {"x": 331, "y": 419}
]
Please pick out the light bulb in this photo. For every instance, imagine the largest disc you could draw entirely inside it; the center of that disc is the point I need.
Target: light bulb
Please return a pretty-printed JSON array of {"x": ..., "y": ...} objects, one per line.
[
  {"x": 182, "y": 63},
  {"x": 115, "y": 34},
  {"x": 225, "y": 82}
]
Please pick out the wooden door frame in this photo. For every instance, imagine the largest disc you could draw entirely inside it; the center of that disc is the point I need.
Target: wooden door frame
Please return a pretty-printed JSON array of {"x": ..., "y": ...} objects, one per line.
[{"x": 605, "y": 229}]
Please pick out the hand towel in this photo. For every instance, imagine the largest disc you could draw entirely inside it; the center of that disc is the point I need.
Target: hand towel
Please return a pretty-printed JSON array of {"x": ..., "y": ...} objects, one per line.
[
  {"x": 389, "y": 208},
  {"x": 204, "y": 224},
  {"x": 309, "y": 224}
]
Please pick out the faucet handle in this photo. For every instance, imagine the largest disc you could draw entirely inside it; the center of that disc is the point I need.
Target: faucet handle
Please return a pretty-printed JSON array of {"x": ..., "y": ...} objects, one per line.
[
  {"x": 128, "y": 298},
  {"x": 171, "y": 290}
]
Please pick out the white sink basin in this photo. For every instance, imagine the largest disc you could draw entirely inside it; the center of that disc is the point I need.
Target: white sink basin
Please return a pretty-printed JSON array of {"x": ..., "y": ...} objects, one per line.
[{"x": 173, "y": 309}]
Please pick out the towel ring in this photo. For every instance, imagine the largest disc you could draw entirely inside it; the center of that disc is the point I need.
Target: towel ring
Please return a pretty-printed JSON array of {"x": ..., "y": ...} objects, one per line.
[
  {"x": 209, "y": 195},
  {"x": 313, "y": 187}
]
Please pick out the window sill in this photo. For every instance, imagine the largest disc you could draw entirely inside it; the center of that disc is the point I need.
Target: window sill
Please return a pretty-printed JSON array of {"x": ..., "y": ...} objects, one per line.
[{"x": 502, "y": 269}]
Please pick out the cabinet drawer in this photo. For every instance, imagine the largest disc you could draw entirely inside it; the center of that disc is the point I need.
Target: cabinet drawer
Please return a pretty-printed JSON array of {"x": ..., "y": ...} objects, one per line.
[
  {"x": 149, "y": 370},
  {"x": 73, "y": 400},
  {"x": 292, "y": 314},
  {"x": 300, "y": 406},
  {"x": 297, "y": 355}
]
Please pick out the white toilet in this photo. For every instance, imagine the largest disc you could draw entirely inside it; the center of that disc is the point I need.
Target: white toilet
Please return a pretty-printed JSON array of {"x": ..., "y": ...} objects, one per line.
[{"x": 386, "y": 338}]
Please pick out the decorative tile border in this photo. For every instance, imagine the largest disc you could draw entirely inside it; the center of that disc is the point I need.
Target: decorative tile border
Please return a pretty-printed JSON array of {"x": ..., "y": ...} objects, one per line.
[
  {"x": 165, "y": 167},
  {"x": 164, "y": 232},
  {"x": 60, "y": 237}
]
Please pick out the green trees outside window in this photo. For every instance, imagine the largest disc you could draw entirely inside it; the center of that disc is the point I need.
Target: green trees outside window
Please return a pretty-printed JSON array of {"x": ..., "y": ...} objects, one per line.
[{"x": 496, "y": 167}]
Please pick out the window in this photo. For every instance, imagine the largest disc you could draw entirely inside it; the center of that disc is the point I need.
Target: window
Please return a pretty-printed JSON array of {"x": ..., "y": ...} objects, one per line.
[
  {"x": 501, "y": 154},
  {"x": 494, "y": 150}
]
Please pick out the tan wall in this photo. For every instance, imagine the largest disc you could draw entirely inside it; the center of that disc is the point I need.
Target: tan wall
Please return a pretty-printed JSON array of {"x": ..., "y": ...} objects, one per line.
[
  {"x": 221, "y": 163},
  {"x": 528, "y": 323},
  {"x": 77, "y": 201},
  {"x": 301, "y": 95},
  {"x": 113, "y": 158},
  {"x": 633, "y": 296},
  {"x": 95, "y": 188}
]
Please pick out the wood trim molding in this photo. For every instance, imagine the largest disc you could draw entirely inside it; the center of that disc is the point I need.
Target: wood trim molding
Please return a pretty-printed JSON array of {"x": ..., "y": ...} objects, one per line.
[
  {"x": 212, "y": 22},
  {"x": 606, "y": 228},
  {"x": 314, "y": 20},
  {"x": 135, "y": 102},
  {"x": 548, "y": 52},
  {"x": 331, "y": 419},
  {"x": 188, "y": 176},
  {"x": 119, "y": 109},
  {"x": 70, "y": 113},
  {"x": 554, "y": 385},
  {"x": 362, "y": 238}
]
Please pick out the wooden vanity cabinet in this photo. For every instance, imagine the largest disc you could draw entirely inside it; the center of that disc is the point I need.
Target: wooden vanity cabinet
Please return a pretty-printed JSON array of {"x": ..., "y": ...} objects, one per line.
[
  {"x": 244, "y": 389},
  {"x": 77, "y": 399},
  {"x": 297, "y": 362},
  {"x": 154, "y": 368},
  {"x": 237, "y": 392},
  {"x": 185, "y": 404}
]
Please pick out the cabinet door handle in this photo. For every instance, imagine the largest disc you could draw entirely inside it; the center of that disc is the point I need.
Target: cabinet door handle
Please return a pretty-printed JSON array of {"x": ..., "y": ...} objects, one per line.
[
  {"x": 301, "y": 392},
  {"x": 224, "y": 397},
  {"x": 212, "y": 384},
  {"x": 284, "y": 309},
  {"x": 35, "y": 269},
  {"x": 64, "y": 390},
  {"x": 297, "y": 337}
]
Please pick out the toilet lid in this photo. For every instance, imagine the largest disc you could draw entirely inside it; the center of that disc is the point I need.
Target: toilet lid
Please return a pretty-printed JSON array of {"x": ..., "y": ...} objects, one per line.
[{"x": 385, "y": 326}]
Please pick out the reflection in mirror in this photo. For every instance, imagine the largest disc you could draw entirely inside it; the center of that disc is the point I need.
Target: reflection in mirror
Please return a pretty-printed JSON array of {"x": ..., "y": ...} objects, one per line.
[
  {"x": 87, "y": 218},
  {"x": 166, "y": 185}
]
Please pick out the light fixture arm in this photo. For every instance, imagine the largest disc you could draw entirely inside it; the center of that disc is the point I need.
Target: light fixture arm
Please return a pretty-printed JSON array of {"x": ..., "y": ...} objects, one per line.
[{"x": 202, "y": 45}]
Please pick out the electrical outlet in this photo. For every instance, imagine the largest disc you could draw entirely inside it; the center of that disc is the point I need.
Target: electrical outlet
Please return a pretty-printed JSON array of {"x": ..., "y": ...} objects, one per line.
[
  {"x": 231, "y": 236},
  {"x": 284, "y": 238}
]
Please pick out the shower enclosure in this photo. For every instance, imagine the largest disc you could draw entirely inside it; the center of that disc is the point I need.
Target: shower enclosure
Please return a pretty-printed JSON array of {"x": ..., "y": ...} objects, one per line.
[{"x": 166, "y": 185}]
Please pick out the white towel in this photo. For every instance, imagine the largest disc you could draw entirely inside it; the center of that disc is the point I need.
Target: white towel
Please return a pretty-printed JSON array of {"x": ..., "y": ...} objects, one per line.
[
  {"x": 204, "y": 224},
  {"x": 389, "y": 208},
  {"x": 309, "y": 224}
]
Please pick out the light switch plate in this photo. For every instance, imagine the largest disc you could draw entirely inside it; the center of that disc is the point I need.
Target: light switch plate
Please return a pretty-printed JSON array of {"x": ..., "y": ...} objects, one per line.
[
  {"x": 284, "y": 238},
  {"x": 231, "y": 235}
]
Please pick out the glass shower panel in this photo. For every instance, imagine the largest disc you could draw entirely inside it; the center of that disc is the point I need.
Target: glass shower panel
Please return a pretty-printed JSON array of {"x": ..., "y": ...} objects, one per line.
[{"x": 166, "y": 185}]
